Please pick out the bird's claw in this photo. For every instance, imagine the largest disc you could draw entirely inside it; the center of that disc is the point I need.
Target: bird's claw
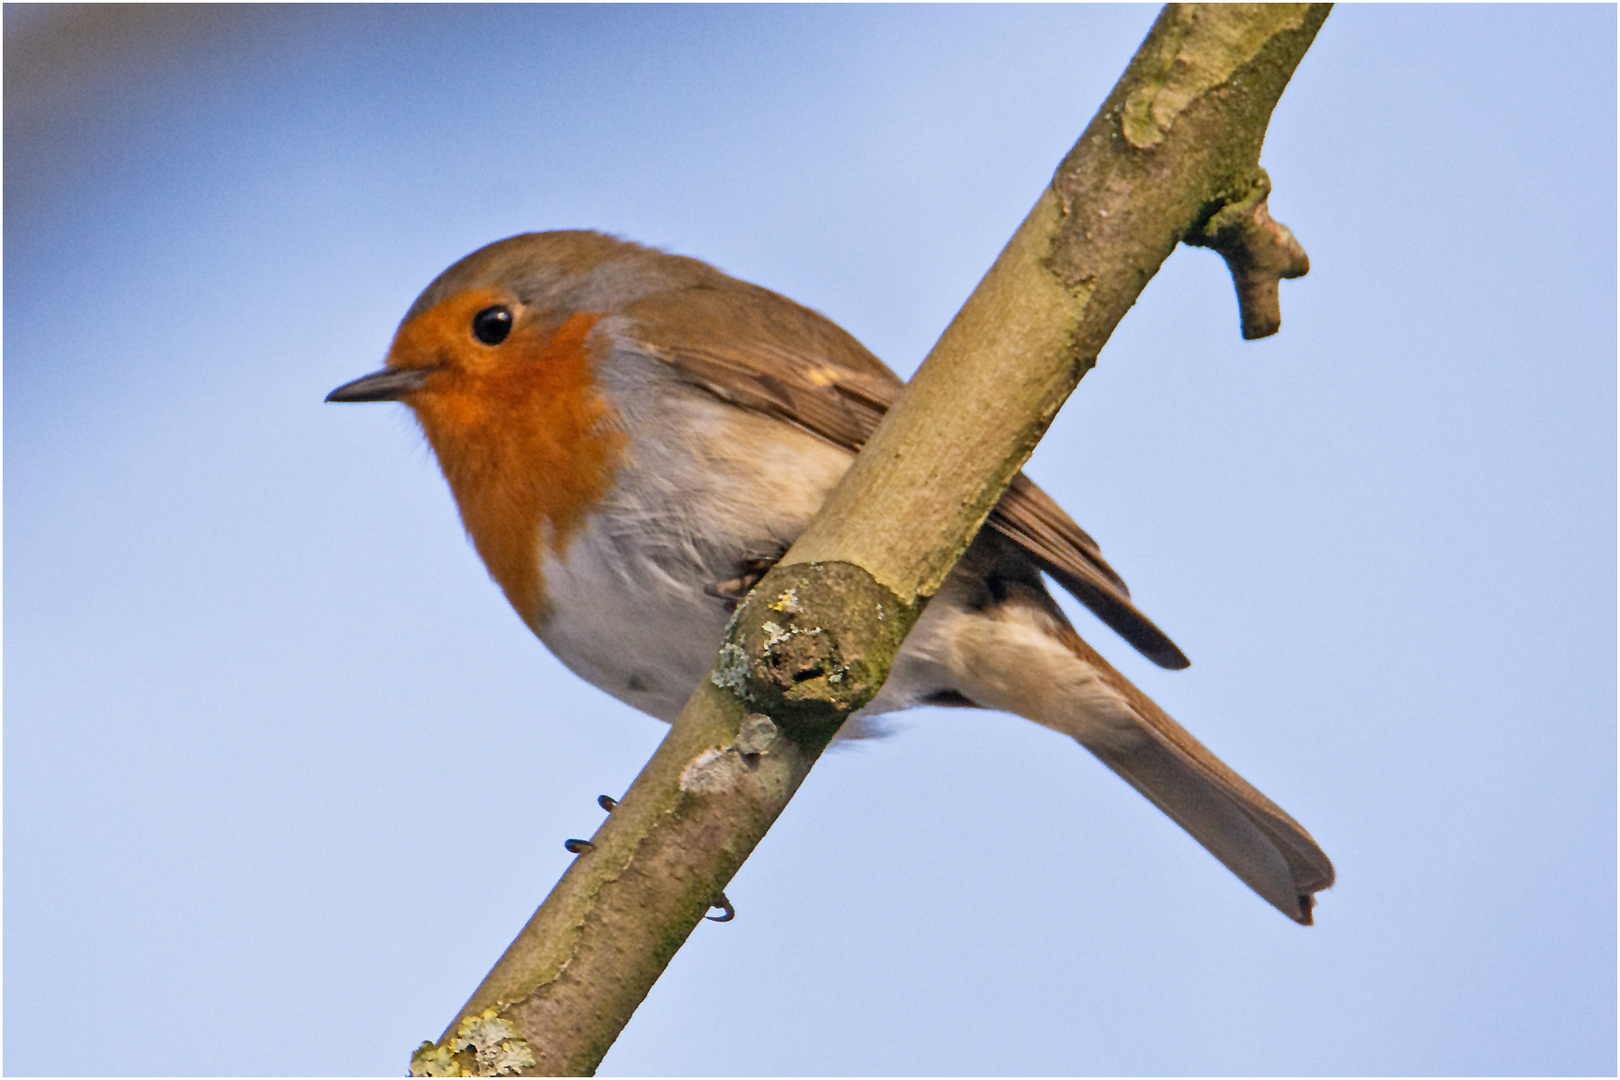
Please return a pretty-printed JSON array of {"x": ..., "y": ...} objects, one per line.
[
  {"x": 580, "y": 847},
  {"x": 754, "y": 567},
  {"x": 724, "y": 905}
]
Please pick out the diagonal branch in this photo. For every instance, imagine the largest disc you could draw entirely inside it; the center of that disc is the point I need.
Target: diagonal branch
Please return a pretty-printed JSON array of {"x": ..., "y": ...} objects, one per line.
[{"x": 1177, "y": 142}]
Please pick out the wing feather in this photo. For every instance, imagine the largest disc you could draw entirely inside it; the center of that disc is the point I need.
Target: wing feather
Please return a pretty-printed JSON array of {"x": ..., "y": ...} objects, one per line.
[{"x": 763, "y": 352}]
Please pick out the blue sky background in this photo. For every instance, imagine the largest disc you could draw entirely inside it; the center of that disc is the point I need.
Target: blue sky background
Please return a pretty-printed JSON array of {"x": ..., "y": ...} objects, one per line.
[{"x": 284, "y": 775}]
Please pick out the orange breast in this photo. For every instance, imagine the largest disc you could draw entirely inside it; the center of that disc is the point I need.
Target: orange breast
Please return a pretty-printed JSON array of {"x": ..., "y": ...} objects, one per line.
[{"x": 521, "y": 431}]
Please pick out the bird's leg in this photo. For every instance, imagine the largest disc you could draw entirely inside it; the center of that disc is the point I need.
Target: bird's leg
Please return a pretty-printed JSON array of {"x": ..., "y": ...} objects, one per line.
[{"x": 754, "y": 564}]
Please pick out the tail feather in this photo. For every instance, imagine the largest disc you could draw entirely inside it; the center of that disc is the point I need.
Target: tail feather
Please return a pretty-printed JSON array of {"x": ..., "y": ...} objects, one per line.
[
  {"x": 1268, "y": 850},
  {"x": 1021, "y": 655},
  {"x": 1263, "y": 846}
]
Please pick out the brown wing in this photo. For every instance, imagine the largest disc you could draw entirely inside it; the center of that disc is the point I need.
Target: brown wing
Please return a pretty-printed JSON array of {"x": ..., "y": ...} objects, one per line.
[{"x": 762, "y": 351}]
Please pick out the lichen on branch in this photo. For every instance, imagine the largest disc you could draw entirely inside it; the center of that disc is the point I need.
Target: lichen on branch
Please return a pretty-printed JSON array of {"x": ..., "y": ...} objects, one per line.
[{"x": 813, "y": 643}]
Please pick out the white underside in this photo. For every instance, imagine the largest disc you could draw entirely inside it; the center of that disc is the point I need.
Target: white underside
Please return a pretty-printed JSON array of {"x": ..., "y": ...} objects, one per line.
[
  {"x": 625, "y": 605},
  {"x": 626, "y": 608}
]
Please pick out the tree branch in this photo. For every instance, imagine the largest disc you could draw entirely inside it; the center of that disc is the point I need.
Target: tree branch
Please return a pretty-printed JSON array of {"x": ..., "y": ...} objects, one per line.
[{"x": 1175, "y": 146}]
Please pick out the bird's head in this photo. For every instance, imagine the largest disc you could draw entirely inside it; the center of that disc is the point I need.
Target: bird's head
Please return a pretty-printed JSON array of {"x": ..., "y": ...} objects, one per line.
[{"x": 498, "y": 359}]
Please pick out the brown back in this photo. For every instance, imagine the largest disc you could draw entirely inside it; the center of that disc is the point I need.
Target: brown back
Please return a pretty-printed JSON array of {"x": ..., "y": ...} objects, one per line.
[{"x": 761, "y": 351}]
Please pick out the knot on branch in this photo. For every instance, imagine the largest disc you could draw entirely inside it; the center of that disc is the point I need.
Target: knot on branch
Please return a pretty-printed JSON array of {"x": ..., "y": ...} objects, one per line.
[
  {"x": 720, "y": 768},
  {"x": 1258, "y": 250},
  {"x": 813, "y": 643}
]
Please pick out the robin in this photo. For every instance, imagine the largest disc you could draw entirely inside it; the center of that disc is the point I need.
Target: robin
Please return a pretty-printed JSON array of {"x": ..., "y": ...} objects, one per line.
[{"x": 633, "y": 437}]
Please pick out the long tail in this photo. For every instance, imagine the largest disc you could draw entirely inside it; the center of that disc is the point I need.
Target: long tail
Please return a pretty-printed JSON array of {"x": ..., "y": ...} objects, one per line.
[
  {"x": 1023, "y": 657},
  {"x": 1270, "y": 851}
]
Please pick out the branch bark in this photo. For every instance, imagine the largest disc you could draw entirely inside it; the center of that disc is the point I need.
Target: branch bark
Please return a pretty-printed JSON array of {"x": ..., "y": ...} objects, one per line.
[{"x": 1172, "y": 155}]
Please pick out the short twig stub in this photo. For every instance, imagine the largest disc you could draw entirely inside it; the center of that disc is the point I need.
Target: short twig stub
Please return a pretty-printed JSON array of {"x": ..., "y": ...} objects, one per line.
[{"x": 1259, "y": 251}]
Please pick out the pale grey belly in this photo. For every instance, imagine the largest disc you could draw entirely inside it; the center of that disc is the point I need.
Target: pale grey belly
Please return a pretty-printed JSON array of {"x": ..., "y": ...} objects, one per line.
[
  {"x": 643, "y": 631},
  {"x": 704, "y": 487}
]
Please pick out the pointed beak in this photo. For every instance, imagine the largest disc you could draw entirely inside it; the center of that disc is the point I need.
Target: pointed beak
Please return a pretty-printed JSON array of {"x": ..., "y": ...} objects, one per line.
[{"x": 389, "y": 384}]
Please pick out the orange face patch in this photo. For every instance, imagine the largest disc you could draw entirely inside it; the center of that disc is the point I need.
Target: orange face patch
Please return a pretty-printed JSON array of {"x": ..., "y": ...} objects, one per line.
[{"x": 523, "y": 435}]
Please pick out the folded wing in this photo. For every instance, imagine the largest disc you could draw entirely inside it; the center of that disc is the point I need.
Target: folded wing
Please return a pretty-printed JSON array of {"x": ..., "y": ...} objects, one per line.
[{"x": 761, "y": 351}]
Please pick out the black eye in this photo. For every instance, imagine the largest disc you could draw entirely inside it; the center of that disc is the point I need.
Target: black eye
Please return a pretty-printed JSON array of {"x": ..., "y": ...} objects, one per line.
[{"x": 493, "y": 324}]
